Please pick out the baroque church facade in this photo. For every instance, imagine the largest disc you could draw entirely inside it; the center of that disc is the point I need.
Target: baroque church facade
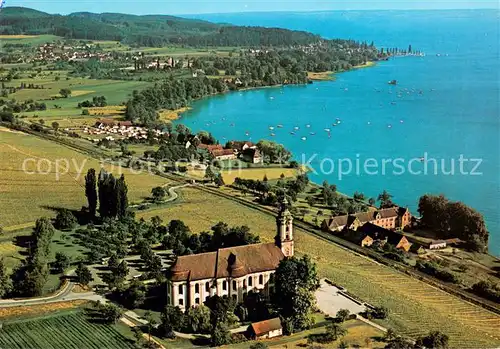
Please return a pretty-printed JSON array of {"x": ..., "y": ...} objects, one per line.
[{"x": 233, "y": 271}]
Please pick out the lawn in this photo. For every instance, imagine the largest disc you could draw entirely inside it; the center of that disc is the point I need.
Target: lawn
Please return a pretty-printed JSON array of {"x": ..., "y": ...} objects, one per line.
[
  {"x": 250, "y": 173},
  {"x": 68, "y": 330},
  {"x": 28, "y": 193},
  {"x": 32, "y": 40},
  {"x": 115, "y": 91},
  {"x": 415, "y": 307}
]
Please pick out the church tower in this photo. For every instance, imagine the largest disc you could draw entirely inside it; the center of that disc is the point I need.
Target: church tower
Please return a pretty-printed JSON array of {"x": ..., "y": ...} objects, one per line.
[{"x": 284, "y": 223}]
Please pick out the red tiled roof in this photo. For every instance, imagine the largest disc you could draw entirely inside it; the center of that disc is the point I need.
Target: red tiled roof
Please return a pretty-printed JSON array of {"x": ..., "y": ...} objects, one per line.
[
  {"x": 210, "y": 147},
  {"x": 363, "y": 217},
  {"x": 242, "y": 260},
  {"x": 222, "y": 152},
  {"x": 266, "y": 326},
  {"x": 106, "y": 121}
]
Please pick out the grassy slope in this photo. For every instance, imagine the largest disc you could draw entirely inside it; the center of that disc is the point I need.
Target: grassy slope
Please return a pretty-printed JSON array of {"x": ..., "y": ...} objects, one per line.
[
  {"x": 24, "y": 197},
  {"x": 415, "y": 307}
]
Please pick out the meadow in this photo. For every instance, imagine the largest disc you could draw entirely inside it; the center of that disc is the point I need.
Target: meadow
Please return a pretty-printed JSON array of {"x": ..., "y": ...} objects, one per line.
[
  {"x": 66, "y": 330},
  {"x": 249, "y": 173},
  {"x": 415, "y": 307},
  {"x": 37, "y": 190}
]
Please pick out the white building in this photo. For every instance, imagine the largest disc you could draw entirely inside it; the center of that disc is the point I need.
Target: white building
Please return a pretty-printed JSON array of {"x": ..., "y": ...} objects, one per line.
[{"x": 232, "y": 271}]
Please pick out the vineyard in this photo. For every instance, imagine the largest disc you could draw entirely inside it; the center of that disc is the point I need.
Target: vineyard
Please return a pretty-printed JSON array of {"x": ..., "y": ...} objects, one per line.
[
  {"x": 61, "y": 331},
  {"x": 36, "y": 175}
]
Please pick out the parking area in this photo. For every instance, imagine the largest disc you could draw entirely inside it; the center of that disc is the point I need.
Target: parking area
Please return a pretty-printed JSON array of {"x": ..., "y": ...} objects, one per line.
[{"x": 330, "y": 301}]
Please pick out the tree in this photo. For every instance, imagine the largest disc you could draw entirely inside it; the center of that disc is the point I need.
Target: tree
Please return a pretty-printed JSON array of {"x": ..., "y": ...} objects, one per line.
[
  {"x": 55, "y": 126},
  {"x": 83, "y": 275},
  {"x": 42, "y": 237},
  {"x": 342, "y": 315},
  {"x": 110, "y": 313},
  {"x": 371, "y": 201},
  {"x": 172, "y": 318},
  {"x": 311, "y": 201},
  {"x": 359, "y": 196},
  {"x": 219, "y": 180},
  {"x": 198, "y": 319},
  {"x": 65, "y": 92},
  {"x": 122, "y": 198},
  {"x": 113, "y": 262},
  {"x": 29, "y": 278},
  {"x": 454, "y": 219},
  {"x": 62, "y": 262},
  {"x": 91, "y": 191},
  {"x": 65, "y": 220},
  {"x": 220, "y": 335},
  {"x": 158, "y": 194},
  {"x": 295, "y": 282},
  {"x": 5, "y": 282},
  {"x": 210, "y": 174},
  {"x": 385, "y": 199},
  {"x": 220, "y": 310},
  {"x": 335, "y": 331},
  {"x": 434, "y": 340},
  {"x": 151, "y": 323}
]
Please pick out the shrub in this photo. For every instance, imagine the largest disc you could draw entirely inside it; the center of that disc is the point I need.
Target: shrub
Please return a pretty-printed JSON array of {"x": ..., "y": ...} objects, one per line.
[{"x": 65, "y": 220}]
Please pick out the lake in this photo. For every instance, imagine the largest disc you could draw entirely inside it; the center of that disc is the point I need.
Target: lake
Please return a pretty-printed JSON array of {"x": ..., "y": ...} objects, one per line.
[{"x": 445, "y": 107}]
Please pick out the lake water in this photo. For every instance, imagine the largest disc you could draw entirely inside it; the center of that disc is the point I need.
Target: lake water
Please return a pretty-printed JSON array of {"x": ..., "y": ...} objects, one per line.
[{"x": 445, "y": 105}]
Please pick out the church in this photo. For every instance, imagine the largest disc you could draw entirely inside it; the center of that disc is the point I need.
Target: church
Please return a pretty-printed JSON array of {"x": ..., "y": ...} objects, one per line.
[{"x": 232, "y": 271}]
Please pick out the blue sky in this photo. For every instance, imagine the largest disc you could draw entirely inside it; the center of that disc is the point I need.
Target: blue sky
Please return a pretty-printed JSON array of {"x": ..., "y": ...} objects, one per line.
[{"x": 219, "y": 6}]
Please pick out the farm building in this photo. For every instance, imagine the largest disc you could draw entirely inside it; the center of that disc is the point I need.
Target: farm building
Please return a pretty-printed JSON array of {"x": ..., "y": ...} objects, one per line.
[
  {"x": 389, "y": 236},
  {"x": 266, "y": 329},
  {"x": 251, "y": 155},
  {"x": 224, "y": 154},
  {"x": 395, "y": 218},
  {"x": 359, "y": 238},
  {"x": 436, "y": 245}
]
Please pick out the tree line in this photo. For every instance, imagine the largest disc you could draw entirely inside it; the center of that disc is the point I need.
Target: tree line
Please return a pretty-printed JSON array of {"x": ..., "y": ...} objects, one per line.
[
  {"x": 112, "y": 194},
  {"x": 454, "y": 220}
]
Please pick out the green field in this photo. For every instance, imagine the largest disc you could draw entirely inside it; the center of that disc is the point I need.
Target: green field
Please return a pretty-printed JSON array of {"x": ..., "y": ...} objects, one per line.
[
  {"x": 31, "y": 40},
  {"x": 67, "y": 330},
  {"x": 115, "y": 91}
]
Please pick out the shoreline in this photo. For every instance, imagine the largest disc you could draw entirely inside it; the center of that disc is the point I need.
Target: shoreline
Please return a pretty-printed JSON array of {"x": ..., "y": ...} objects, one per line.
[{"x": 323, "y": 76}]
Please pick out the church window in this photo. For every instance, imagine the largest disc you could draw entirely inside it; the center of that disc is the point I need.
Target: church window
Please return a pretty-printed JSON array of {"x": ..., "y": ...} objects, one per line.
[
  {"x": 235, "y": 298},
  {"x": 250, "y": 281},
  {"x": 181, "y": 301},
  {"x": 244, "y": 283},
  {"x": 261, "y": 279},
  {"x": 197, "y": 288},
  {"x": 224, "y": 285},
  {"x": 181, "y": 289},
  {"x": 235, "y": 285},
  {"x": 207, "y": 286},
  {"x": 197, "y": 300}
]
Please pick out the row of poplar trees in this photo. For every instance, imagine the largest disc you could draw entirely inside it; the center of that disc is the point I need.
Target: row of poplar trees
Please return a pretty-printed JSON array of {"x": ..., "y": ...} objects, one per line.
[{"x": 111, "y": 193}]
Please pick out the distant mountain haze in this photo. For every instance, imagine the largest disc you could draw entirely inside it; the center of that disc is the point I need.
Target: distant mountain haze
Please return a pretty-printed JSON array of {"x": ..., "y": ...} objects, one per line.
[
  {"x": 148, "y": 30},
  {"x": 225, "y": 6}
]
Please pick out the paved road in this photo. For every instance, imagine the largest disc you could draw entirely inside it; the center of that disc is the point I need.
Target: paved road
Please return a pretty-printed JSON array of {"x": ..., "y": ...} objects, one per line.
[{"x": 172, "y": 195}]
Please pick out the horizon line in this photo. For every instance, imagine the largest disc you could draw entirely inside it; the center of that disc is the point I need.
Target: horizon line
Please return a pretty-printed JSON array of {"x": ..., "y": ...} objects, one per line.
[{"x": 271, "y": 11}]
